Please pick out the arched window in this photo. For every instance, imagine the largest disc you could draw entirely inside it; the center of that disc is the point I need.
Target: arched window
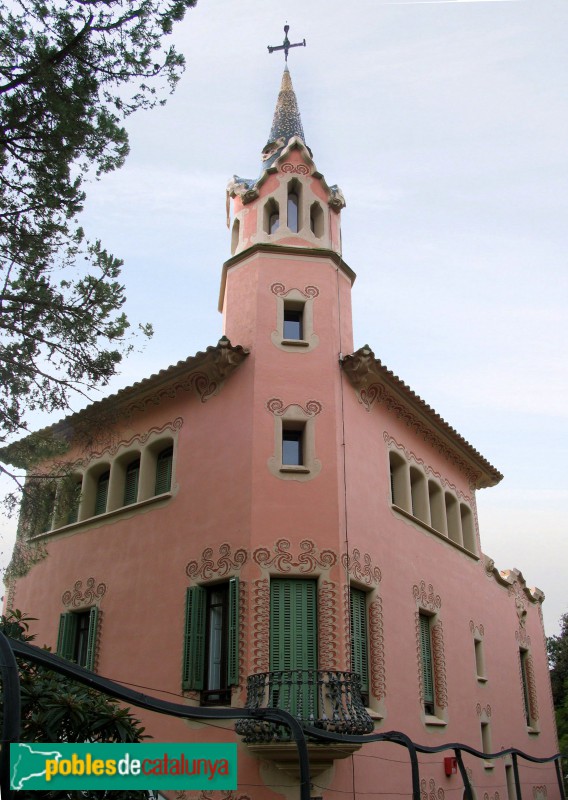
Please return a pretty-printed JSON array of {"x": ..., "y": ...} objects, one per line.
[
  {"x": 131, "y": 482},
  {"x": 271, "y": 216},
  {"x": 102, "y": 493},
  {"x": 437, "y": 507},
  {"x": 164, "y": 471},
  {"x": 235, "y": 235},
  {"x": 294, "y": 194},
  {"x": 316, "y": 220}
]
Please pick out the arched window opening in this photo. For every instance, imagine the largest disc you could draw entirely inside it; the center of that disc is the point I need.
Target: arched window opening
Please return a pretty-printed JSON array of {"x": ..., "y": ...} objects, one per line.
[
  {"x": 419, "y": 495},
  {"x": 102, "y": 493},
  {"x": 453, "y": 519},
  {"x": 316, "y": 220},
  {"x": 235, "y": 236},
  {"x": 271, "y": 216},
  {"x": 399, "y": 484},
  {"x": 468, "y": 532},
  {"x": 294, "y": 194},
  {"x": 131, "y": 482},
  {"x": 437, "y": 507},
  {"x": 164, "y": 464}
]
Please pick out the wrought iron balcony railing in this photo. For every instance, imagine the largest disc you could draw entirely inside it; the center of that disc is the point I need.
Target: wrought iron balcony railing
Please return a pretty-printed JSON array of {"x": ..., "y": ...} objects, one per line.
[{"x": 322, "y": 698}]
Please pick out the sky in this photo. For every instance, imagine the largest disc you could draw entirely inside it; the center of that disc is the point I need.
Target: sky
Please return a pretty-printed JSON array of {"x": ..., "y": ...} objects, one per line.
[{"x": 445, "y": 124}]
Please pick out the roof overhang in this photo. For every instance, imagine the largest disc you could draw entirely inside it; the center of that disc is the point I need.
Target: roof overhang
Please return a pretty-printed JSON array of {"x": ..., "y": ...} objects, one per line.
[
  {"x": 204, "y": 373},
  {"x": 374, "y": 383}
]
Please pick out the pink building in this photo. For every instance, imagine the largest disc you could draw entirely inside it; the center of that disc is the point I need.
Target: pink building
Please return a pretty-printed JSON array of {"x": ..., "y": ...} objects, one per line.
[{"x": 281, "y": 511}]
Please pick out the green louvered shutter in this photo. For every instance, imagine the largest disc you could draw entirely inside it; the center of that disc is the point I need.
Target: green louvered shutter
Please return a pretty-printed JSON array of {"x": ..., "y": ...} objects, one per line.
[
  {"x": 427, "y": 667},
  {"x": 74, "y": 500},
  {"x": 102, "y": 493},
  {"x": 359, "y": 646},
  {"x": 131, "y": 483},
  {"x": 164, "y": 471},
  {"x": 66, "y": 636},
  {"x": 233, "y": 654},
  {"x": 92, "y": 638},
  {"x": 293, "y": 638},
  {"x": 193, "y": 672}
]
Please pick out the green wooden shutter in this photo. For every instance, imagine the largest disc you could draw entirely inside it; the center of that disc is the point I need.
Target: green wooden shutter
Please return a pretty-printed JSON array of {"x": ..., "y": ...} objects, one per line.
[
  {"x": 233, "y": 654},
  {"x": 102, "y": 494},
  {"x": 92, "y": 638},
  {"x": 193, "y": 672},
  {"x": 131, "y": 483},
  {"x": 66, "y": 636},
  {"x": 359, "y": 646},
  {"x": 74, "y": 500},
  {"x": 426, "y": 653},
  {"x": 164, "y": 471},
  {"x": 293, "y": 640}
]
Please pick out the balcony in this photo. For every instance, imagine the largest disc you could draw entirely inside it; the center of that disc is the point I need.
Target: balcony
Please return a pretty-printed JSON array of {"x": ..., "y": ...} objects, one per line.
[{"x": 317, "y": 697}]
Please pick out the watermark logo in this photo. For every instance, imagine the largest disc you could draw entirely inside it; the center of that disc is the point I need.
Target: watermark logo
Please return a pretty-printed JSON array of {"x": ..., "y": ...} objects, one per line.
[{"x": 123, "y": 766}]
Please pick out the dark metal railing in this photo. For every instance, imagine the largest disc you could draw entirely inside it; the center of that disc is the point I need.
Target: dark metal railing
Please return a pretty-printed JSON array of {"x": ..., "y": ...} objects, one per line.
[{"x": 324, "y": 699}]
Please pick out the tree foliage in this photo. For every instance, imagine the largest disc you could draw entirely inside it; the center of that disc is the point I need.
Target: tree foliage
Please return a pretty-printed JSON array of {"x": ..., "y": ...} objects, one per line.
[
  {"x": 558, "y": 658},
  {"x": 56, "y": 709},
  {"x": 70, "y": 72}
]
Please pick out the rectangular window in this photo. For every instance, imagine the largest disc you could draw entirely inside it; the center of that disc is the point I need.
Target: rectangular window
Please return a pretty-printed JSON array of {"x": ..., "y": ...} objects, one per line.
[
  {"x": 359, "y": 645},
  {"x": 524, "y": 655},
  {"x": 293, "y": 323},
  {"x": 77, "y": 636},
  {"x": 479, "y": 660},
  {"x": 292, "y": 447},
  {"x": 486, "y": 744},
  {"x": 211, "y": 649},
  {"x": 427, "y": 665}
]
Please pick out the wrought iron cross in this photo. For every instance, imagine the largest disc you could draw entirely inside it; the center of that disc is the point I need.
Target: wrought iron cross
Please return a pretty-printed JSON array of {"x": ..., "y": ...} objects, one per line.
[{"x": 286, "y": 44}]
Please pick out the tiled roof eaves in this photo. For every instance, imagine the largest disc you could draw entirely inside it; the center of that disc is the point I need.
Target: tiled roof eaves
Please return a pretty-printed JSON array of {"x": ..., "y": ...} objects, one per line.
[
  {"x": 137, "y": 390},
  {"x": 492, "y": 475}
]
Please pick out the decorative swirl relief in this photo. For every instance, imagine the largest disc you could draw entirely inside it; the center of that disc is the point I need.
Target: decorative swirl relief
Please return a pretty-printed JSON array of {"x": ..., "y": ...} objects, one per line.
[
  {"x": 327, "y": 619},
  {"x": 77, "y": 598},
  {"x": 365, "y": 573},
  {"x": 207, "y": 568},
  {"x": 426, "y": 597},
  {"x": 277, "y": 407},
  {"x": 281, "y": 290},
  {"x": 113, "y": 448},
  {"x": 296, "y": 169},
  {"x": 428, "y": 790},
  {"x": 377, "y": 648},
  {"x": 282, "y": 560},
  {"x": 438, "y": 657},
  {"x": 479, "y": 629},
  {"x": 487, "y": 796},
  {"x": 485, "y": 711},
  {"x": 261, "y": 626},
  {"x": 540, "y": 792}
]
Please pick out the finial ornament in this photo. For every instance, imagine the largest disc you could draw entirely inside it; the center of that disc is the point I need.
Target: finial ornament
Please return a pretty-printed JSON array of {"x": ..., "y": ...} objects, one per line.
[{"x": 286, "y": 44}]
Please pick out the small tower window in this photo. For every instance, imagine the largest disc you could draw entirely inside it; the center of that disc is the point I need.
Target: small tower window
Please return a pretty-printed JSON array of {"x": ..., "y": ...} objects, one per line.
[
  {"x": 235, "y": 236},
  {"x": 271, "y": 216},
  {"x": 293, "y": 323},
  {"x": 316, "y": 220},
  {"x": 294, "y": 193},
  {"x": 292, "y": 454}
]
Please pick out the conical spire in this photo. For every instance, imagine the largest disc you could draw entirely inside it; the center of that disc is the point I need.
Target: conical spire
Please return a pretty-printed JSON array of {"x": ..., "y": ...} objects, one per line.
[{"x": 287, "y": 122}]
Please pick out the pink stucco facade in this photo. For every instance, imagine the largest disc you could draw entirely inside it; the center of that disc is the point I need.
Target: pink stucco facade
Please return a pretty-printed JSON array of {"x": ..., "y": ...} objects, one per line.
[{"x": 382, "y": 501}]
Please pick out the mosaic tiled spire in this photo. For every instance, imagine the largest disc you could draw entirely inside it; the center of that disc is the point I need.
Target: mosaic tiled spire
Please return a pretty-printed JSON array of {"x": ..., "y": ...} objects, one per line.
[{"x": 287, "y": 122}]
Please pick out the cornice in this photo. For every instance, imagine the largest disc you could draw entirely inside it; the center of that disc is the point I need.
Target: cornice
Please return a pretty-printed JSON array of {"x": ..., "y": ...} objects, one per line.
[
  {"x": 513, "y": 580},
  {"x": 204, "y": 373},
  {"x": 373, "y": 382},
  {"x": 286, "y": 250}
]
